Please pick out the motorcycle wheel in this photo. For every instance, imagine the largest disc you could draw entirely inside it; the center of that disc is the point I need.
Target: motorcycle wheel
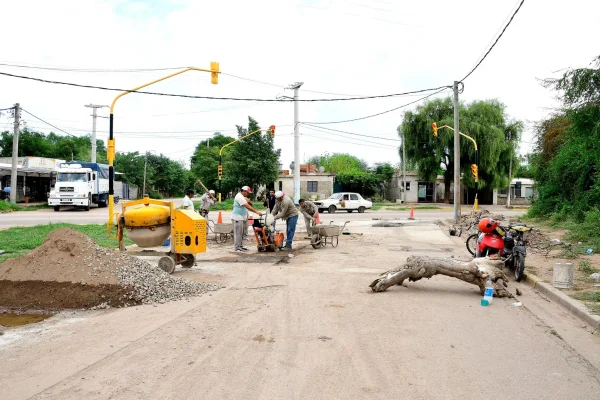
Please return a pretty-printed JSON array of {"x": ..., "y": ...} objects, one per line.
[
  {"x": 472, "y": 244},
  {"x": 519, "y": 263}
]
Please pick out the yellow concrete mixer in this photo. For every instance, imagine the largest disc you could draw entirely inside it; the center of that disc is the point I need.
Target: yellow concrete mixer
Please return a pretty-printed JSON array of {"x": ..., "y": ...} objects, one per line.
[{"x": 149, "y": 223}]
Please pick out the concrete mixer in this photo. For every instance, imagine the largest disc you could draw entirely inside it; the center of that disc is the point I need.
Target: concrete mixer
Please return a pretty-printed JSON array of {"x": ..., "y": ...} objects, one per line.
[{"x": 149, "y": 223}]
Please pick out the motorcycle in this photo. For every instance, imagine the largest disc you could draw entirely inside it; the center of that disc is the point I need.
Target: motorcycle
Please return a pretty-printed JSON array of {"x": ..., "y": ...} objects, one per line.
[{"x": 506, "y": 243}]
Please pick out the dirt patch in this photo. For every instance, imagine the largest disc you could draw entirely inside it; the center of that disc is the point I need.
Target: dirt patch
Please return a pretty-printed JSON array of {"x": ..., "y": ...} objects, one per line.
[{"x": 70, "y": 271}]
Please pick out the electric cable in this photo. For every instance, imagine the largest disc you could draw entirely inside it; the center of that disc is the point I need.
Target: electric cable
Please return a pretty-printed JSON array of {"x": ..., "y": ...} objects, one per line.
[
  {"x": 47, "y": 123},
  {"x": 495, "y": 42},
  {"x": 213, "y": 97},
  {"x": 355, "y": 134}
]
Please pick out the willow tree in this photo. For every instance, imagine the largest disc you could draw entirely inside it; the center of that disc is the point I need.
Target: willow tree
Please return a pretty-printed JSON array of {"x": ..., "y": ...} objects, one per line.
[{"x": 483, "y": 120}]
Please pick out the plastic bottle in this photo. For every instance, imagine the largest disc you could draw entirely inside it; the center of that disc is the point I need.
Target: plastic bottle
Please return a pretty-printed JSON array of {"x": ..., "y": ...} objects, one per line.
[
  {"x": 488, "y": 293},
  {"x": 589, "y": 251}
]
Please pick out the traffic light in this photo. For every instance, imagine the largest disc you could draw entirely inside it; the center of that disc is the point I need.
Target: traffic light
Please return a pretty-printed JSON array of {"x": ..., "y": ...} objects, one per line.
[
  {"x": 220, "y": 171},
  {"x": 435, "y": 128},
  {"x": 272, "y": 131},
  {"x": 474, "y": 172},
  {"x": 214, "y": 67}
]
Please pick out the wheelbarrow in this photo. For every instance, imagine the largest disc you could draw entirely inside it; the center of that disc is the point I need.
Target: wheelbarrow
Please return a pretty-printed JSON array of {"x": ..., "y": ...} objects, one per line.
[
  {"x": 323, "y": 234},
  {"x": 222, "y": 231}
]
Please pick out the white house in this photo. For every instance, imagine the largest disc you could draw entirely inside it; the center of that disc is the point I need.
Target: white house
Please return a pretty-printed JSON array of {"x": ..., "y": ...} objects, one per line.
[{"x": 521, "y": 192}]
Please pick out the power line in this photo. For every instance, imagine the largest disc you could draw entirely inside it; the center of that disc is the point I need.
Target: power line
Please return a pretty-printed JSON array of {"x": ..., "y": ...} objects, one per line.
[
  {"x": 355, "y": 134},
  {"x": 47, "y": 123},
  {"x": 347, "y": 138},
  {"x": 381, "y": 113},
  {"x": 350, "y": 142},
  {"x": 496, "y": 41},
  {"x": 213, "y": 97},
  {"x": 90, "y": 70}
]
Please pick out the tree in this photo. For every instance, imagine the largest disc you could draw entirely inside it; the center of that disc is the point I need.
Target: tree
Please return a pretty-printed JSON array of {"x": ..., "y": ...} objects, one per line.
[
  {"x": 567, "y": 155},
  {"x": 131, "y": 165},
  {"x": 485, "y": 121},
  {"x": 205, "y": 160},
  {"x": 252, "y": 161}
]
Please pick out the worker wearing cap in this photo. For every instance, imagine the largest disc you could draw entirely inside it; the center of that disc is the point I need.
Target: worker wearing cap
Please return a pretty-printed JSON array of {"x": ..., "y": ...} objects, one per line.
[
  {"x": 239, "y": 216},
  {"x": 285, "y": 209},
  {"x": 310, "y": 212},
  {"x": 188, "y": 204},
  {"x": 208, "y": 200}
]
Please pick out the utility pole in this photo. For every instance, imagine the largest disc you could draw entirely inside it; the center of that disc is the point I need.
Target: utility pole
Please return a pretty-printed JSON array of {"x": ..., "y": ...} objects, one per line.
[
  {"x": 94, "y": 108},
  {"x": 15, "y": 155},
  {"x": 456, "y": 156},
  {"x": 296, "y": 86},
  {"x": 403, "y": 166},
  {"x": 509, "y": 178}
]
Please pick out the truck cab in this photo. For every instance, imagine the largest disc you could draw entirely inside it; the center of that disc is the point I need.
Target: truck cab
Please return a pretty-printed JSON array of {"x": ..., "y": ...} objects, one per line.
[{"x": 80, "y": 186}]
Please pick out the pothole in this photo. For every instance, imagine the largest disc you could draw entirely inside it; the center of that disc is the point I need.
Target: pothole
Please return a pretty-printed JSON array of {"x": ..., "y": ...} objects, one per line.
[{"x": 12, "y": 320}]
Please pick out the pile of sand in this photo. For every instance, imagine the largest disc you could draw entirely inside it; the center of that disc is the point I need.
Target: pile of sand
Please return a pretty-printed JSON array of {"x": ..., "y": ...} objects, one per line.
[{"x": 70, "y": 271}]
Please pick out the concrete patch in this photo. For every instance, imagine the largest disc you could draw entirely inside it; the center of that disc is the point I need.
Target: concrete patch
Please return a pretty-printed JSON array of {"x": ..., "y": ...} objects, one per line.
[{"x": 358, "y": 270}]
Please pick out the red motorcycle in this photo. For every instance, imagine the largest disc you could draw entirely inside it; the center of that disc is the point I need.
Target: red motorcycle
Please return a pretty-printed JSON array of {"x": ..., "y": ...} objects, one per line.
[{"x": 506, "y": 243}]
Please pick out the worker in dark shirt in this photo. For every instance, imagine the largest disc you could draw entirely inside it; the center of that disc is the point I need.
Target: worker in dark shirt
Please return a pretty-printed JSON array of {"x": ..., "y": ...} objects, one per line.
[{"x": 270, "y": 201}]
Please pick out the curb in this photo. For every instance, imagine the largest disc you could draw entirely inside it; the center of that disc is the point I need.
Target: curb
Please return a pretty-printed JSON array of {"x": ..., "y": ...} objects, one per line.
[{"x": 573, "y": 306}]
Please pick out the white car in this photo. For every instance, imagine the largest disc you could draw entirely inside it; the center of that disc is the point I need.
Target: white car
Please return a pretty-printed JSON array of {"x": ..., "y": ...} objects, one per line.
[{"x": 344, "y": 201}]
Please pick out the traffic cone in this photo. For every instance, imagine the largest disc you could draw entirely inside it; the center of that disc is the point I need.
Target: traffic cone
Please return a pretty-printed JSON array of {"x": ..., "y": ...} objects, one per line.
[
  {"x": 412, "y": 213},
  {"x": 220, "y": 218}
]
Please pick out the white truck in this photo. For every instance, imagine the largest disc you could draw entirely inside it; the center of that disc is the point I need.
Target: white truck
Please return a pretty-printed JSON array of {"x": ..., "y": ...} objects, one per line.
[{"x": 80, "y": 184}]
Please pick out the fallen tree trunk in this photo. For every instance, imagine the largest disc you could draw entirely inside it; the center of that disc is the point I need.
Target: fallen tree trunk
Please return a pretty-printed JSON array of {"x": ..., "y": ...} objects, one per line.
[{"x": 476, "y": 272}]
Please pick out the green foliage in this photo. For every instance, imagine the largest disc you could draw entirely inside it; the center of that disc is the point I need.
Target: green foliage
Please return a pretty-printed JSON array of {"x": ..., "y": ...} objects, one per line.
[
  {"x": 227, "y": 205},
  {"x": 36, "y": 144},
  {"x": 156, "y": 195},
  {"x": 484, "y": 121},
  {"x": 567, "y": 160},
  {"x": 205, "y": 161},
  {"x": 17, "y": 241},
  {"x": 586, "y": 267},
  {"x": 587, "y": 296},
  {"x": 132, "y": 167},
  {"x": 252, "y": 161},
  {"x": 6, "y": 206},
  {"x": 340, "y": 163}
]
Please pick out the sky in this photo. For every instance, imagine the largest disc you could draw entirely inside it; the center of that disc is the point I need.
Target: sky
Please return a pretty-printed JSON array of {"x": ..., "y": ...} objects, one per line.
[{"x": 338, "y": 48}]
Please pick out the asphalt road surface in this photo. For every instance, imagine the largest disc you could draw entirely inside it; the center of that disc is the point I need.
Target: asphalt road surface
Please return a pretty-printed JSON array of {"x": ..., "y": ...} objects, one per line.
[{"x": 309, "y": 327}]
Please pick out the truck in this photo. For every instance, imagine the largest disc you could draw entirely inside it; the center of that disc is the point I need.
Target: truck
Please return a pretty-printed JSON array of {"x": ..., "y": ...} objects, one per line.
[{"x": 80, "y": 184}]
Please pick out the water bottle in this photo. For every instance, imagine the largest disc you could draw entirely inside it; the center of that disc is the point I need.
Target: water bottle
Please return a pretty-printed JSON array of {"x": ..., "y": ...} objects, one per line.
[{"x": 488, "y": 293}]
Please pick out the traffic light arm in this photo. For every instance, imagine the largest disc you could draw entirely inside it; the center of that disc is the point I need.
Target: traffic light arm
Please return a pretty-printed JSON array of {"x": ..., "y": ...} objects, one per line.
[
  {"x": 462, "y": 134},
  {"x": 271, "y": 130},
  {"x": 111, "y": 152}
]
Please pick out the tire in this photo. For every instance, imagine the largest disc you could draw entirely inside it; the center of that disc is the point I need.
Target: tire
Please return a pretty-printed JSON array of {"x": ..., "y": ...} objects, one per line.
[
  {"x": 331, "y": 209},
  {"x": 167, "y": 264},
  {"x": 188, "y": 260},
  {"x": 87, "y": 208},
  {"x": 56, "y": 208},
  {"x": 315, "y": 242},
  {"x": 350, "y": 211},
  {"x": 361, "y": 209},
  {"x": 472, "y": 244},
  {"x": 519, "y": 266},
  {"x": 321, "y": 210}
]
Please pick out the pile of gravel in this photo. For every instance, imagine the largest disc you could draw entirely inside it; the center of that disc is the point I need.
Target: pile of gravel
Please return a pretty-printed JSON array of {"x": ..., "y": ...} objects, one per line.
[{"x": 153, "y": 285}]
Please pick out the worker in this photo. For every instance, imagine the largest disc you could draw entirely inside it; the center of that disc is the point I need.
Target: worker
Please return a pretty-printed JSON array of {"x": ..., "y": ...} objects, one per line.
[
  {"x": 188, "y": 204},
  {"x": 207, "y": 200},
  {"x": 270, "y": 201},
  {"x": 239, "y": 217},
  {"x": 285, "y": 209},
  {"x": 310, "y": 212}
]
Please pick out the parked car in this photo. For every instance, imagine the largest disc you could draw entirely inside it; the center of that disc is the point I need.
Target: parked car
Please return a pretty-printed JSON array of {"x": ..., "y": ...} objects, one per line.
[{"x": 344, "y": 201}]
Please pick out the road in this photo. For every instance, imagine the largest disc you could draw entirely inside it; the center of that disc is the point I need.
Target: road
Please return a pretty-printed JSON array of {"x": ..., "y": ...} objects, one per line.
[
  {"x": 100, "y": 215},
  {"x": 308, "y": 327}
]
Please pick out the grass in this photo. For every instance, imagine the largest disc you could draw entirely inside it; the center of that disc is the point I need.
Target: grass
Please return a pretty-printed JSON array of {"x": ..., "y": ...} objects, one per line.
[
  {"x": 580, "y": 235},
  {"x": 587, "y": 296},
  {"x": 389, "y": 206},
  {"x": 18, "y": 241},
  {"x": 584, "y": 266},
  {"x": 6, "y": 206}
]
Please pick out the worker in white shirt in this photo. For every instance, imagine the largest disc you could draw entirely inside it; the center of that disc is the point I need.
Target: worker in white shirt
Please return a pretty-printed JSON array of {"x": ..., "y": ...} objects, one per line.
[
  {"x": 239, "y": 217},
  {"x": 207, "y": 200},
  {"x": 188, "y": 204}
]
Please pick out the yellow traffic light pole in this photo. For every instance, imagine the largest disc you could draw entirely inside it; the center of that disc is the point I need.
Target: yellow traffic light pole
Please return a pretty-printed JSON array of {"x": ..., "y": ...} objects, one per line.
[
  {"x": 271, "y": 130},
  {"x": 474, "y": 167},
  {"x": 214, "y": 70}
]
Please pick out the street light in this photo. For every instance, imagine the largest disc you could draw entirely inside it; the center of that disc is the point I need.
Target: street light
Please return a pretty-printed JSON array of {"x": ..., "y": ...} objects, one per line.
[
  {"x": 110, "y": 151},
  {"x": 474, "y": 167}
]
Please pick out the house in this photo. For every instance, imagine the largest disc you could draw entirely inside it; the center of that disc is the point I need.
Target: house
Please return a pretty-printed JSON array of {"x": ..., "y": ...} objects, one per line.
[
  {"x": 522, "y": 191},
  {"x": 417, "y": 190},
  {"x": 35, "y": 176},
  {"x": 313, "y": 184}
]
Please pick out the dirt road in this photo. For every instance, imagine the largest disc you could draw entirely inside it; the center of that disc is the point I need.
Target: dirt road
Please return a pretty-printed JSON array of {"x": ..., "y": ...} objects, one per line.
[{"x": 309, "y": 327}]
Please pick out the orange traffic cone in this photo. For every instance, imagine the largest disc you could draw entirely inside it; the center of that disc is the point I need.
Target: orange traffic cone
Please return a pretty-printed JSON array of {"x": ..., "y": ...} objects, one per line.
[
  {"x": 412, "y": 213},
  {"x": 220, "y": 218}
]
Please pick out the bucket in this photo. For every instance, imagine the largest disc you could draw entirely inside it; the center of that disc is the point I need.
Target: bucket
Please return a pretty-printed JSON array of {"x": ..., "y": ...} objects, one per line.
[
  {"x": 562, "y": 275},
  {"x": 167, "y": 242}
]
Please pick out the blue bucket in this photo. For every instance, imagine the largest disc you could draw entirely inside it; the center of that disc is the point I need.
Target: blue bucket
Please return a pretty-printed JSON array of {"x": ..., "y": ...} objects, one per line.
[{"x": 167, "y": 242}]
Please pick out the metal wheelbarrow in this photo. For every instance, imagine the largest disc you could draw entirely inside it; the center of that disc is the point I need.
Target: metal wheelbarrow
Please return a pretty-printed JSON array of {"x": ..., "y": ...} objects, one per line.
[{"x": 323, "y": 234}]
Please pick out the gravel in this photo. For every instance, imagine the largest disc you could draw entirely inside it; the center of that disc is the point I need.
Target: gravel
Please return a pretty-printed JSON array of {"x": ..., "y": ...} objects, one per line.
[{"x": 153, "y": 285}]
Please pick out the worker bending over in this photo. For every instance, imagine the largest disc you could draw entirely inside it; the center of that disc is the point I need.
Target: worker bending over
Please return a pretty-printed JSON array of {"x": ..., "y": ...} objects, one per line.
[
  {"x": 285, "y": 209},
  {"x": 208, "y": 200},
  {"x": 310, "y": 212}
]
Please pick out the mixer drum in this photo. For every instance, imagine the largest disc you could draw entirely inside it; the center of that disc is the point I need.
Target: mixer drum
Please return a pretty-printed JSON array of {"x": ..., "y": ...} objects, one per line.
[{"x": 149, "y": 225}]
